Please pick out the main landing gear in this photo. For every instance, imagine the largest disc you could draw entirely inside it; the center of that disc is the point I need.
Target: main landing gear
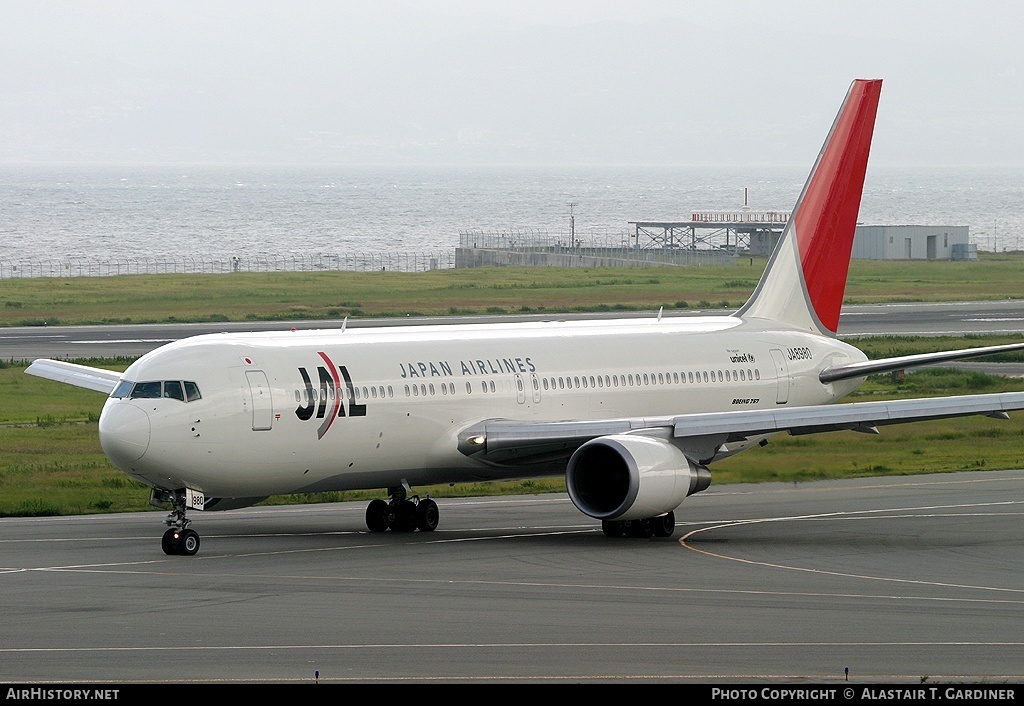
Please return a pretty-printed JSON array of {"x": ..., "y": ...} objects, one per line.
[
  {"x": 403, "y": 513},
  {"x": 179, "y": 539},
  {"x": 660, "y": 526}
]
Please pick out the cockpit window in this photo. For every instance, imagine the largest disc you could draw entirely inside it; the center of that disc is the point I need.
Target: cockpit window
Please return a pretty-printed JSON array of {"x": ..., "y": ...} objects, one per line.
[
  {"x": 191, "y": 391},
  {"x": 146, "y": 390},
  {"x": 122, "y": 389},
  {"x": 184, "y": 390},
  {"x": 172, "y": 389}
]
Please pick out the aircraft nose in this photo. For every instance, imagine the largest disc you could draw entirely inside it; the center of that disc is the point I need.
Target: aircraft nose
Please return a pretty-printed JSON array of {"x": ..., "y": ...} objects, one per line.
[{"x": 124, "y": 432}]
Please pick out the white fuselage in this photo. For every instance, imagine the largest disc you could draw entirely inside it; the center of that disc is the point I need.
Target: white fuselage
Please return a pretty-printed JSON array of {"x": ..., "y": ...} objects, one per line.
[{"x": 320, "y": 410}]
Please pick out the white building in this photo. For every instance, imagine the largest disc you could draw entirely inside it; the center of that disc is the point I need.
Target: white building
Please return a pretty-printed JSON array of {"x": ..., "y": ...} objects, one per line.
[{"x": 913, "y": 243}]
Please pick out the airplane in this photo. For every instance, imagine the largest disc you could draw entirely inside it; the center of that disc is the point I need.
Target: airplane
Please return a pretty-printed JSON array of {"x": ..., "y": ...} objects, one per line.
[{"x": 631, "y": 411}]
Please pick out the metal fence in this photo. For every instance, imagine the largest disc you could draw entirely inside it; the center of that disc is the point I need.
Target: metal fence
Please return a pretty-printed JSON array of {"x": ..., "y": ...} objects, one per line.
[
  {"x": 527, "y": 239},
  {"x": 537, "y": 248},
  {"x": 515, "y": 247},
  {"x": 353, "y": 262}
]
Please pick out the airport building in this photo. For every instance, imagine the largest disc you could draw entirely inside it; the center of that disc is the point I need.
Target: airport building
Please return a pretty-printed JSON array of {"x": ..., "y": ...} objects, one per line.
[
  {"x": 890, "y": 243},
  {"x": 707, "y": 238},
  {"x": 913, "y": 243}
]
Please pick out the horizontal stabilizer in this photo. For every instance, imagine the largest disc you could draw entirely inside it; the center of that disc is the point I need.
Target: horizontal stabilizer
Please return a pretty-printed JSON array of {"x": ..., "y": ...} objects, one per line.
[
  {"x": 73, "y": 374},
  {"x": 887, "y": 365}
]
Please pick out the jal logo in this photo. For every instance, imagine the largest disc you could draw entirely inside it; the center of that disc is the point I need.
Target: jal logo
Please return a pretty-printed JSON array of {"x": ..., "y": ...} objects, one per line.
[{"x": 324, "y": 401}]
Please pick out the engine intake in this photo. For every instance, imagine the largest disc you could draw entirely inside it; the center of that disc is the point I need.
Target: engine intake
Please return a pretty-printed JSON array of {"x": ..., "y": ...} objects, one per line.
[{"x": 629, "y": 477}]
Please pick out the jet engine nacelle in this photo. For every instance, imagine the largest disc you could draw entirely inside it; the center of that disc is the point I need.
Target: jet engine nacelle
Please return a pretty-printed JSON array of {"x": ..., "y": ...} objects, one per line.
[{"x": 628, "y": 477}]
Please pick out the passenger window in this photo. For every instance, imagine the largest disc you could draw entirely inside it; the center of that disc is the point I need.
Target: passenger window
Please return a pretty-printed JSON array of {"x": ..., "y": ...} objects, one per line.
[{"x": 172, "y": 390}]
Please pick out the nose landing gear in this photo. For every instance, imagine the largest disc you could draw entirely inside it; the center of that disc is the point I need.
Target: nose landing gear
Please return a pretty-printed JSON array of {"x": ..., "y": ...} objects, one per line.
[{"x": 179, "y": 539}]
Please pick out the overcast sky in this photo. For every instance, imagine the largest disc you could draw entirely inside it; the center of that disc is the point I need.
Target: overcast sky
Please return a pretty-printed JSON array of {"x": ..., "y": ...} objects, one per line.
[{"x": 505, "y": 82}]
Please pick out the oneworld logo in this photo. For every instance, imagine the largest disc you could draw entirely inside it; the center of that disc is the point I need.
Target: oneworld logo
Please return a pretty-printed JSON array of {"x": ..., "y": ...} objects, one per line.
[{"x": 325, "y": 401}]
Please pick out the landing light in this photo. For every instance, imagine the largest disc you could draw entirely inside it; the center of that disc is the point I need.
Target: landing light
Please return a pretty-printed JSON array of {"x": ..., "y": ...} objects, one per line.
[{"x": 478, "y": 440}]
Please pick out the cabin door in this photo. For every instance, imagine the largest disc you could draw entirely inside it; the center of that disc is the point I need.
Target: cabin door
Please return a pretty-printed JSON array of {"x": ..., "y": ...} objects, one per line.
[
  {"x": 262, "y": 406},
  {"x": 781, "y": 376},
  {"x": 520, "y": 389}
]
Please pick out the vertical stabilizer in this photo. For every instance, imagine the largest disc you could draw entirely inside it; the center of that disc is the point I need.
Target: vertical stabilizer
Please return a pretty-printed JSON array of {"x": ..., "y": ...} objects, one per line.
[{"x": 804, "y": 282}]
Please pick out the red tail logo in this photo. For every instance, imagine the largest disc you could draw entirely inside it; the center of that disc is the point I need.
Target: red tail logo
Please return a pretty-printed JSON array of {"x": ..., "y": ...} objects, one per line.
[
  {"x": 826, "y": 215},
  {"x": 804, "y": 282}
]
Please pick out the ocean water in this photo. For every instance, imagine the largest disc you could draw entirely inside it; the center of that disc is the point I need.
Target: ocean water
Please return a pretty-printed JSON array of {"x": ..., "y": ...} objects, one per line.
[{"x": 53, "y": 212}]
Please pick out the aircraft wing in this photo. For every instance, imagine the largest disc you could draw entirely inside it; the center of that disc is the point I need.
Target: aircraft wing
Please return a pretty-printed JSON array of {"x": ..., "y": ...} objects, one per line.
[
  {"x": 73, "y": 374},
  {"x": 702, "y": 435}
]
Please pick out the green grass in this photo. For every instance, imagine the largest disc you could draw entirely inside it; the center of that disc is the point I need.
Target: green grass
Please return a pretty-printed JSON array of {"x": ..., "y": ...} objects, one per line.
[
  {"x": 51, "y": 462},
  {"x": 330, "y": 295}
]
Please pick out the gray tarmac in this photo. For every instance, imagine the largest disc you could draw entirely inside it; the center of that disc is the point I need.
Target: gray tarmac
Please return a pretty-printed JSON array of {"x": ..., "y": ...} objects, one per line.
[
  {"x": 896, "y": 579},
  {"x": 919, "y": 319}
]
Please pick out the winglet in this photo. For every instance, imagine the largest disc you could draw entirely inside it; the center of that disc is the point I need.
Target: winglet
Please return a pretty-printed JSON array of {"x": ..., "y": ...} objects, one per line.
[{"x": 805, "y": 280}]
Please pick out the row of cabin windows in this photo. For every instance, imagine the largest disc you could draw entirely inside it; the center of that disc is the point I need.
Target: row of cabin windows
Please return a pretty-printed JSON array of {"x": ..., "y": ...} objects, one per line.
[
  {"x": 366, "y": 393},
  {"x": 183, "y": 390},
  {"x": 639, "y": 379},
  {"x": 599, "y": 381},
  {"x": 553, "y": 383}
]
